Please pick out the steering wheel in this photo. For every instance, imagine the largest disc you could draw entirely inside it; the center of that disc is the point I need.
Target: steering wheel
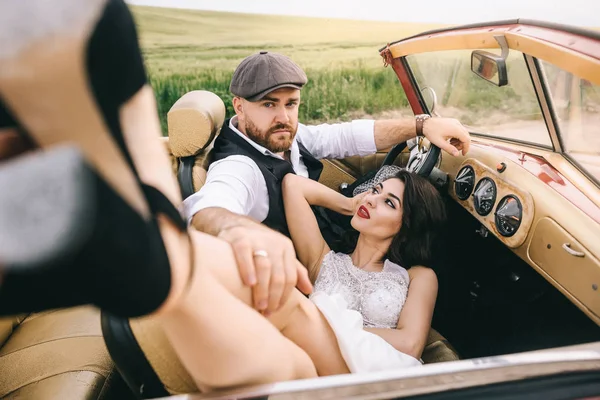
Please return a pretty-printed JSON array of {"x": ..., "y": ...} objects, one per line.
[
  {"x": 422, "y": 157},
  {"x": 422, "y": 160}
]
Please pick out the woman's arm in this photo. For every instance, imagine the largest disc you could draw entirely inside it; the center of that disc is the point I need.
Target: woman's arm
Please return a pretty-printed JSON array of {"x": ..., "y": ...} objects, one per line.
[
  {"x": 410, "y": 335},
  {"x": 317, "y": 194},
  {"x": 298, "y": 195}
]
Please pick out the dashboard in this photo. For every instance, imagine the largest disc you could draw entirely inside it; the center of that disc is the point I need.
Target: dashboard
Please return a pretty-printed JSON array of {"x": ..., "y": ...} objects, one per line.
[{"x": 503, "y": 208}]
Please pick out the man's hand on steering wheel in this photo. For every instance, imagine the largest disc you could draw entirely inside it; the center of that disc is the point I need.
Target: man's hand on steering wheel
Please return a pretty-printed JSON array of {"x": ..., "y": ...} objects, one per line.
[
  {"x": 448, "y": 134},
  {"x": 267, "y": 262}
]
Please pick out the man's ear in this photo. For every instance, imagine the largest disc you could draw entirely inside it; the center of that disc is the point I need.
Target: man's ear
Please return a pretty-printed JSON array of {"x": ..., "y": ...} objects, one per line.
[{"x": 238, "y": 105}]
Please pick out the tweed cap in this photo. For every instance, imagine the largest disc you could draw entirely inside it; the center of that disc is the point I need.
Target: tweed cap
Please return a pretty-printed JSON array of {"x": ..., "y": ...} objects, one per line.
[{"x": 261, "y": 73}]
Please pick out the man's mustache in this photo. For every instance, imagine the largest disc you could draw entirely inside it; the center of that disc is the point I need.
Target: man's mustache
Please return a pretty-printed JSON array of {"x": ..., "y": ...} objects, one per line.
[{"x": 281, "y": 127}]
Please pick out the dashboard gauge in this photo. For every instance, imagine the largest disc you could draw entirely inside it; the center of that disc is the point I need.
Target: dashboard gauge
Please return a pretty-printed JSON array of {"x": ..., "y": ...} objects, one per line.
[
  {"x": 509, "y": 214},
  {"x": 484, "y": 196},
  {"x": 464, "y": 182}
]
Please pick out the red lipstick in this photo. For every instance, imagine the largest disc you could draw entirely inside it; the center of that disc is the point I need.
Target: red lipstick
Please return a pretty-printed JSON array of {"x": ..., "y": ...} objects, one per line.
[{"x": 363, "y": 212}]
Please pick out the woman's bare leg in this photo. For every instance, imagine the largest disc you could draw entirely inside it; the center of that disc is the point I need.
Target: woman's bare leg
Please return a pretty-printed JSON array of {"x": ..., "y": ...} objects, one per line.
[
  {"x": 221, "y": 341},
  {"x": 298, "y": 319},
  {"x": 213, "y": 321}
]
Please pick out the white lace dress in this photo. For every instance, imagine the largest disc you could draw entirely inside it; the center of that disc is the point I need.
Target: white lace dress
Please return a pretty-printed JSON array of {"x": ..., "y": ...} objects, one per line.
[{"x": 351, "y": 298}]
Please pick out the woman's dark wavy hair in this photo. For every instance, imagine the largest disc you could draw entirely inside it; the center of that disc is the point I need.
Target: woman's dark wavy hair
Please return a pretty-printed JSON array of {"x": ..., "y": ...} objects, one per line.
[{"x": 423, "y": 217}]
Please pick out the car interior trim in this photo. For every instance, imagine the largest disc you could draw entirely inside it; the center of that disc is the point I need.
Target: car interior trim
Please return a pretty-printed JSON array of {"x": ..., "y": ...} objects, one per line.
[
  {"x": 545, "y": 101},
  {"x": 566, "y": 260},
  {"x": 589, "y": 33},
  {"x": 564, "y": 170},
  {"x": 503, "y": 187},
  {"x": 440, "y": 377},
  {"x": 555, "y": 171},
  {"x": 409, "y": 85},
  {"x": 582, "y": 65}
]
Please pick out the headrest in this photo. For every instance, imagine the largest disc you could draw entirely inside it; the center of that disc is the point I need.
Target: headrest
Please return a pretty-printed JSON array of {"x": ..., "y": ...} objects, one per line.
[{"x": 193, "y": 122}]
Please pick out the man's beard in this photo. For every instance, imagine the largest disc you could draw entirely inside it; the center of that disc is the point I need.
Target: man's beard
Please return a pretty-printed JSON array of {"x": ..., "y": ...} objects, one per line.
[{"x": 267, "y": 140}]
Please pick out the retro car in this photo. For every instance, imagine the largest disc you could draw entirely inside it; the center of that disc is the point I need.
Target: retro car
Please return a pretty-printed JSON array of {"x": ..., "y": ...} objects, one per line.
[{"x": 518, "y": 311}]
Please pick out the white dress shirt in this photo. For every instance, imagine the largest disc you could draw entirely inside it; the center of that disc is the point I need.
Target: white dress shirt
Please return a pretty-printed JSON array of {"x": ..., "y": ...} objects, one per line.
[{"x": 236, "y": 183}]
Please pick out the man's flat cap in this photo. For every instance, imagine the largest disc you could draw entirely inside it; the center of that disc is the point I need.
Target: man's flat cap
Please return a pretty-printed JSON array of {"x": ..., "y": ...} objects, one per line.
[{"x": 261, "y": 73}]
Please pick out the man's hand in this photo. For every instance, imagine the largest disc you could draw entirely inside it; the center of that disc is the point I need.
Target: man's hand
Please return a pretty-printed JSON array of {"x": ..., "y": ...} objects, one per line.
[
  {"x": 448, "y": 134},
  {"x": 267, "y": 261}
]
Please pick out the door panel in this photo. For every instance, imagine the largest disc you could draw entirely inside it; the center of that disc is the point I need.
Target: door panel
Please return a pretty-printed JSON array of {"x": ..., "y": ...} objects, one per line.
[{"x": 563, "y": 257}]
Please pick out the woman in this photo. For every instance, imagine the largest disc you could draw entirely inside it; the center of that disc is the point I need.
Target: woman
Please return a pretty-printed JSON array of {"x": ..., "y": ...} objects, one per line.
[
  {"x": 92, "y": 218},
  {"x": 396, "y": 218}
]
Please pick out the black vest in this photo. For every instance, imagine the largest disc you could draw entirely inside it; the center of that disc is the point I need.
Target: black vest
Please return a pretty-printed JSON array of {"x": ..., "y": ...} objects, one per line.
[{"x": 273, "y": 169}]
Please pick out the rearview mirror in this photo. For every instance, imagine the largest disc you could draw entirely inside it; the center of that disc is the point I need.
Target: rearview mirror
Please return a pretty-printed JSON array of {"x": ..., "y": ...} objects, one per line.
[{"x": 490, "y": 67}]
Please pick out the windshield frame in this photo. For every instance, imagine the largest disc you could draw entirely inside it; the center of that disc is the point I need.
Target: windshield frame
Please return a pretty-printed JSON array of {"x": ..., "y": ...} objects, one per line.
[
  {"x": 542, "y": 89},
  {"x": 573, "y": 50},
  {"x": 560, "y": 146}
]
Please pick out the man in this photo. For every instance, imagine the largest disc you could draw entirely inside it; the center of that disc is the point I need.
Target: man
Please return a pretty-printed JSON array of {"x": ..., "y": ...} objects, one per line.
[{"x": 262, "y": 143}]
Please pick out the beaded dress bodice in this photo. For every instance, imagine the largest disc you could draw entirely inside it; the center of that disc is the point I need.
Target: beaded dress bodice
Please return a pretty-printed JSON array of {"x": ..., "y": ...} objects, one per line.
[{"x": 377, "y": 296}]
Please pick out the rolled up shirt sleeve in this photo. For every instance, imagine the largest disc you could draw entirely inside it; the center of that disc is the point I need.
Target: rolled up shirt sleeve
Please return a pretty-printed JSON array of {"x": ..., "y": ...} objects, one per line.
[
  {"x": 231, "y": 183},
  {"x": 356, "y": 138}
]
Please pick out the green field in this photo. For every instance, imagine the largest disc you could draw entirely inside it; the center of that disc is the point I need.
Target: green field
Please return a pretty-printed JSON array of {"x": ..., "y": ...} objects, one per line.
[{"x": 187, "y": 50}]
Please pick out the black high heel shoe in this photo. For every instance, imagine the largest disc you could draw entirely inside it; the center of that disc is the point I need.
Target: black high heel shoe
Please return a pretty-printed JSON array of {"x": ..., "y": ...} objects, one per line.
[
  {"x": 77, "y": 224},
  {"x": 67, "y": 239}
]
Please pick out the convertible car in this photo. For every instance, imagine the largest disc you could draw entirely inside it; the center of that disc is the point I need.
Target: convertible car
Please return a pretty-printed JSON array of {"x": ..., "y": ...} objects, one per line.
[{"x": 518, "y": 311}]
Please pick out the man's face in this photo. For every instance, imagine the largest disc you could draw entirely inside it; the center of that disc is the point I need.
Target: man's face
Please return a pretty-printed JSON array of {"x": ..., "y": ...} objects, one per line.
[{"x": 272, "y": 121}]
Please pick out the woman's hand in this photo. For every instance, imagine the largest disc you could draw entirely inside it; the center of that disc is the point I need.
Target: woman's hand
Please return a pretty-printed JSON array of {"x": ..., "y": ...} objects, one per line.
[{"x": 357, "y": 201}]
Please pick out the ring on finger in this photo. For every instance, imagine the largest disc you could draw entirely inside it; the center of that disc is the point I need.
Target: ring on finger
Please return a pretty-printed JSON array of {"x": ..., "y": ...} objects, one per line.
[{"x": 260, "y": 253}]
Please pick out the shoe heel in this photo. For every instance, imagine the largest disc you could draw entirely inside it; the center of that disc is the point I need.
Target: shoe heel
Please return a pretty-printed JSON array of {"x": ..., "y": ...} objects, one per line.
[{"x": 67, "y": 239}]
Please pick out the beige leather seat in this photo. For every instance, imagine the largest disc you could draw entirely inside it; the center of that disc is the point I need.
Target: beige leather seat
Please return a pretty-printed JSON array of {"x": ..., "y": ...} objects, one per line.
[
  {"x": 57, "y": 354},
  {"x": 438, "y": 349},
  {"x": 194, "y": 121}
]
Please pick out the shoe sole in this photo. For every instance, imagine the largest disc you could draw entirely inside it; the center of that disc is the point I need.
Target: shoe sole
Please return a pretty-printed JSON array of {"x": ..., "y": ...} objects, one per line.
[{"x": 43, "y": 81}]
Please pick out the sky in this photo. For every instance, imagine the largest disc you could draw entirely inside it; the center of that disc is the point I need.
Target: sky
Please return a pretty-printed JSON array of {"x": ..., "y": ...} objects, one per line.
[{"x": 584, "y": 13}]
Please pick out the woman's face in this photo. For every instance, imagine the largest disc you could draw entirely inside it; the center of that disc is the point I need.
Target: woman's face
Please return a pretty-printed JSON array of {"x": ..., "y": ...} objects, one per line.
[{"x": 380, "y": 214}]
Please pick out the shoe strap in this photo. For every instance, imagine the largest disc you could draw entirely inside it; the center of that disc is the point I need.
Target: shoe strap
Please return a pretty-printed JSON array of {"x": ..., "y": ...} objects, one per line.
[{"x": 159, "y": 203}]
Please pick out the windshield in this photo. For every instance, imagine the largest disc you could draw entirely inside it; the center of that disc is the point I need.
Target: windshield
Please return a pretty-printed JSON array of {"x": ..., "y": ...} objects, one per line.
[
  {"x": 577, "y": 106},
  {"x": 510, "y": 112}
]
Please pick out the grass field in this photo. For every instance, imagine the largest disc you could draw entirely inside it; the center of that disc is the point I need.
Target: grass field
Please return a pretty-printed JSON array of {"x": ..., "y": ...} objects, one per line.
[{"x": 187, "y": 50}]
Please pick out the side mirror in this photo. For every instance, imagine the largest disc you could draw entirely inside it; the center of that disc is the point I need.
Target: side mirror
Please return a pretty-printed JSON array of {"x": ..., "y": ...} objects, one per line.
[
  {"x": 490, "y": 67},
  {"x": 430, "y": 98}
]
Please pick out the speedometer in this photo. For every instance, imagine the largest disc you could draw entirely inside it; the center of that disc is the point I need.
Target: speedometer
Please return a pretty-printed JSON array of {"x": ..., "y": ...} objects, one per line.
[
  {"x": 508, "y": 215},
  {"x": 484, "y": 196},
  {"x": 464, "y": 182}
]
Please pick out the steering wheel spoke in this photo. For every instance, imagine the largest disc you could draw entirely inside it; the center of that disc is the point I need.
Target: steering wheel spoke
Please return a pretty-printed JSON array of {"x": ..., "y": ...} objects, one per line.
[{"x": 423, "y": 155}]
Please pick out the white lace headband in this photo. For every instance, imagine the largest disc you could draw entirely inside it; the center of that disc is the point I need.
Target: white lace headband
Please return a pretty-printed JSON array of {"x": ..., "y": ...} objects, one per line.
[{"x": 385, "y": 172}]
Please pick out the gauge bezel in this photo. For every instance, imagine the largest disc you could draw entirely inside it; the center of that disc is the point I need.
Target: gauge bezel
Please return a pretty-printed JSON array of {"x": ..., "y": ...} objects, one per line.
[
  {"x": 472, "y": 186},
  {"x": 500, "y": 231},
  {"x": 483, "y": 214}
]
